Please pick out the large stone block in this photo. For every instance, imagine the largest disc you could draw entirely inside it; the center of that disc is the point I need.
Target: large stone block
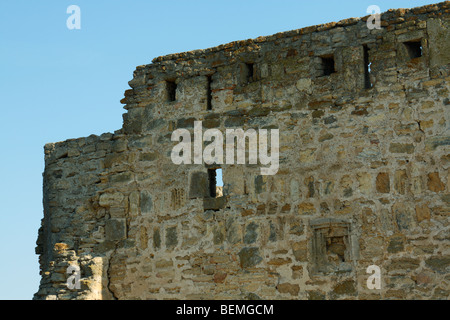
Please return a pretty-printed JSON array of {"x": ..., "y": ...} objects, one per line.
[
  {"x": 116, "y": 229},
  {"x": 383, "y": 183},
  {"x": 249, "y": 257},
  {"x": 199, "y": 185},
  {"x": 439, "y": 33},
  {"x": 111, "y": 199},
  {"x": 146, "y": 202}
]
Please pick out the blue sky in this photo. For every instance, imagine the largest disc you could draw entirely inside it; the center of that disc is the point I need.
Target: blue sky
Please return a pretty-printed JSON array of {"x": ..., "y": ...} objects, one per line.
[{"x": 57, "y": 84}]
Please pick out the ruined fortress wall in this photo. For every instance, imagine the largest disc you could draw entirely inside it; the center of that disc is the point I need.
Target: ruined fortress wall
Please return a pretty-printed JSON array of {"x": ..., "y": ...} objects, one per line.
[{"x": 363, "y": 177}]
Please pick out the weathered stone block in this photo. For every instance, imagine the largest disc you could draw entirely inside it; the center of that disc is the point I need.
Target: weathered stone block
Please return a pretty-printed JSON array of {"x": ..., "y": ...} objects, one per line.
[
  {"x": 432, "y": 143},
  {"x": 405, "y": 264},
  {"x": 124, "y": 177},
  {"x": 304, "y": 85},
  {"x": 233, "y": 231},
  {"x": 396, "y": 244},
  {"x": 249, "y": 257},
  {"x": 347, "y": 287},
  {"x": 234, "y": 122},
  {"x": 146, "y": 203},
  {"x": 434, "y": 182},
  {"x": 171, "y": 237},
  {"x": 251, "y": 233},
  {"x": 260, "y": 184},
  {"x": 383, "y": 183},
  {"x": 423, "y": 213},
  {"x": 162, "y": 264},
  {"x": 439, "y": 32},
  {"x": 119, "y": 145},
  {"x": 198, "y": 187},
  {"x": 306, "y": 208},
  {"x": 316, "y": 295},
  {"x": 214, "y": 203},
  {"x": 149, "y": 156},
  {"x": 292, "y": 289},
  {"x": 218, "y": 234},
  {"x": 300, "y": 251},
  {"x": 156, "y": 238},
  {"x": 111, "y": 199},
  {"x": 439, "y": 264},
  {"x": 401, "y": 148},
  {"x": 403, "y": 216},
  {"x": 400, "y": 181},
  {"x": 330, "y": 120},
  {"x": 116, "y": 229}
]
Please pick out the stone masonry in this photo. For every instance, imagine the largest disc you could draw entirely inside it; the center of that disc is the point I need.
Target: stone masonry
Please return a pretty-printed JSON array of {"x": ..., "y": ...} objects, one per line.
[{"x": 363, "y": 179}]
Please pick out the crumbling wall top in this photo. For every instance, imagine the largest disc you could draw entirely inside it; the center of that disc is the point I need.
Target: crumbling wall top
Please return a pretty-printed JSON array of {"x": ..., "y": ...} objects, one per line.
[{"x": 390, "y": 17}]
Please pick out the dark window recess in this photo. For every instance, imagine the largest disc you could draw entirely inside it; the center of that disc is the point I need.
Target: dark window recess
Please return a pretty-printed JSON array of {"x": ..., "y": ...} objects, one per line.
[
  {"x": 328, "y": 65},
  {"x": 209, "y": 94},
  {"x": 414, "y": 49},
  {"x": 171, "y": 87},
  {"x": 215, "y": 200},
  {"x": 367, "y": 83},
  {"x": 250, "y": 71},
  {"x": 215, "y": 181},
  {"x": 212, "y": 182}
]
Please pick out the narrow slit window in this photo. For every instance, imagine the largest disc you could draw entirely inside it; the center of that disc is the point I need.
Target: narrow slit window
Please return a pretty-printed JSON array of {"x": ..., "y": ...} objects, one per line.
[
  {"x": 367, "y": 64},
  {"x": 219, "y": 183},
  {"x": 328, "y": 65},
  {"x": 171, "y": 87},
  {"x": 209, "y": 94},
  {"x": 414, "y": 48},
  {"x": 212, "y": 182},
  {"x": 250, "y": 68},
  {"x": 215, "y": 180}
]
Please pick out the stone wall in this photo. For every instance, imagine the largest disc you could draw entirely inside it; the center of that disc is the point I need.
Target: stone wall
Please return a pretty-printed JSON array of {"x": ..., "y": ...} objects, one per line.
[{"x": 363, "y": 177}]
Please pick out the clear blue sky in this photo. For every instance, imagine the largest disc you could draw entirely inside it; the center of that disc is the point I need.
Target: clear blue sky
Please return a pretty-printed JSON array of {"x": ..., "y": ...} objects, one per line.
[{"x": 57, "y": 84}]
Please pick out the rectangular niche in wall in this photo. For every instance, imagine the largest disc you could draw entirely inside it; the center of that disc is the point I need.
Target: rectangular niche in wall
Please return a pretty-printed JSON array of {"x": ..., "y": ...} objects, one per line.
[
  {"x": 247, "y": 73},
  {"x": 414, "y": 49},
  {"x": 209, "y": 186},
  {"x": 171, "y": 90},
  {"x": 331, "y": 246},
  {"x": 328, "y": 65}
]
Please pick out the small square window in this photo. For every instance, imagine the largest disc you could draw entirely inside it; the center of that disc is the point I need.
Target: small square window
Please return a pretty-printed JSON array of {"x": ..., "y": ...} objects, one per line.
[
  {"x": 331, "y": 246},
  {"x": 414, "y": 48}
]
